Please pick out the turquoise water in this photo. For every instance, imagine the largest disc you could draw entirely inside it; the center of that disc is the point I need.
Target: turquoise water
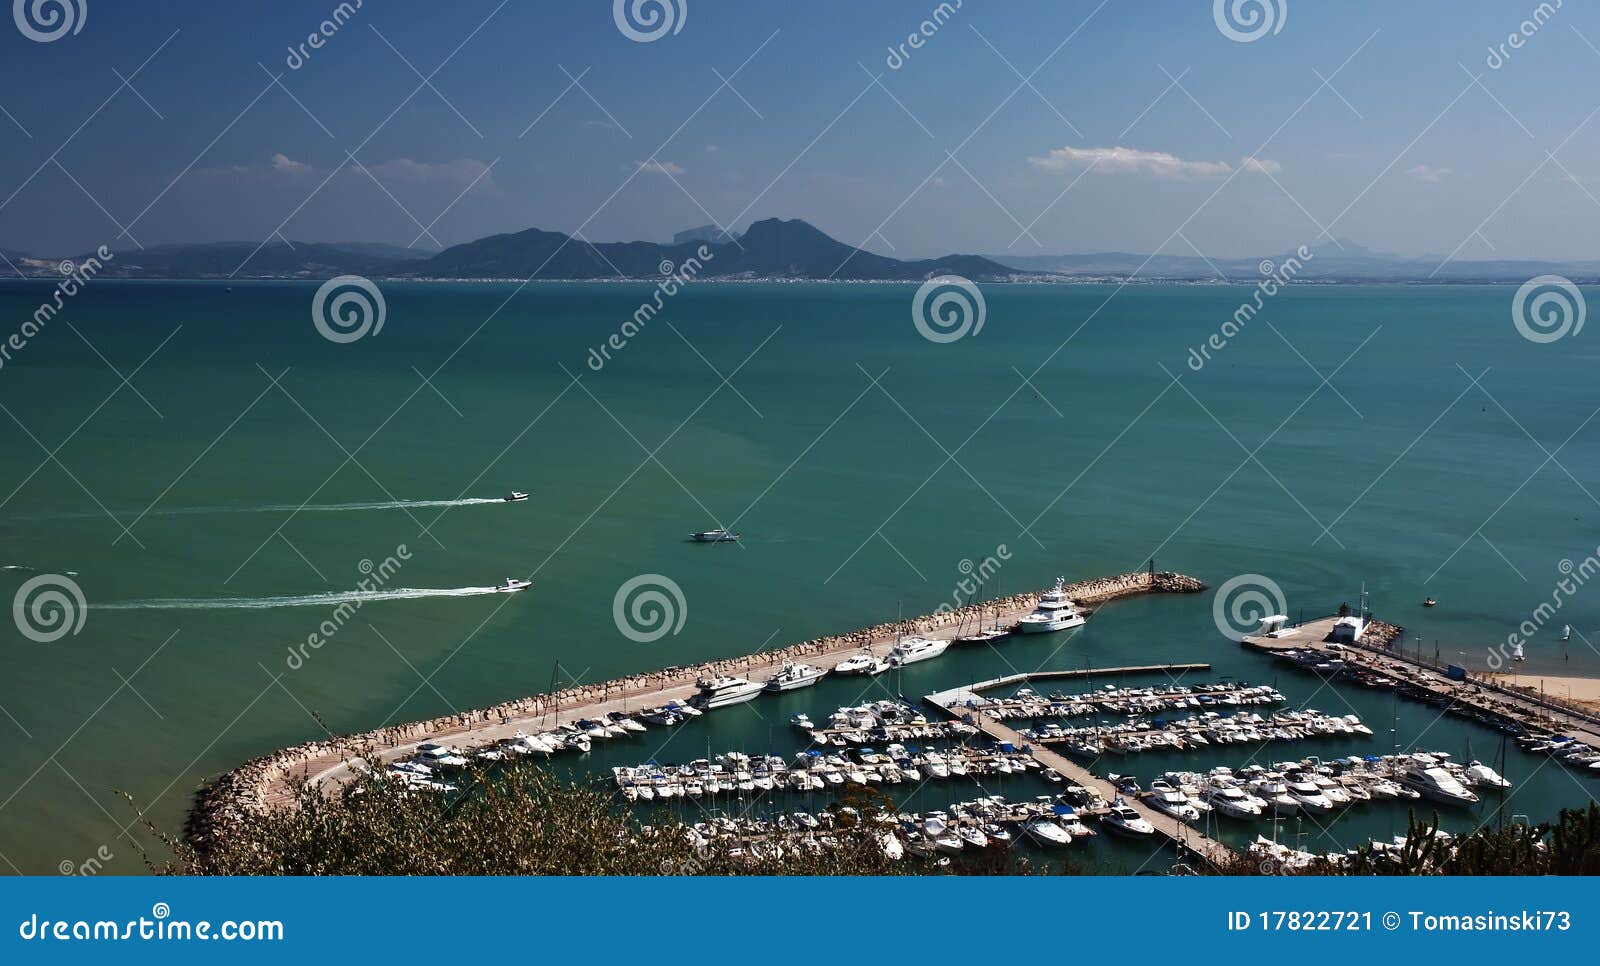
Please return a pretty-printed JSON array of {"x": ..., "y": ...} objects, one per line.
[{"x": 852, "y": 505}]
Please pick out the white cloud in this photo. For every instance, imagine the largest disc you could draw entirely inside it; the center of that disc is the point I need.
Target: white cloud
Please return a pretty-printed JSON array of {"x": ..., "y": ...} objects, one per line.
[
  {"x": 659, "y": 167},
  {"x": 1256, "y": 165},
  {"x": 1121, "y": 160},
  {"x": 282, "y": 168},
  {"x": 1431, "y": 175}
]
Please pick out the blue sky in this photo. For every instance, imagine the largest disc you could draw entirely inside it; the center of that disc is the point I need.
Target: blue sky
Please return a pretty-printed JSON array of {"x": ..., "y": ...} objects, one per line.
[{"x": 1401, "y": 151}]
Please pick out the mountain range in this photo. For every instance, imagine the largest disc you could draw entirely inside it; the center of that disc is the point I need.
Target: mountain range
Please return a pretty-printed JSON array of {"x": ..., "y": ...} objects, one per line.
[{"x": 769, "y": 249}]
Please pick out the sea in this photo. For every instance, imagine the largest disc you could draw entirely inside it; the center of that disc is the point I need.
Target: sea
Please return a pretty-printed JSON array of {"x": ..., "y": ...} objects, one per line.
[{"x": 225, "y": 532}]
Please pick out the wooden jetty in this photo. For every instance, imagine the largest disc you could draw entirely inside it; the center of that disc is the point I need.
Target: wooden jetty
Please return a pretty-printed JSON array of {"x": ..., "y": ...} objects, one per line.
[{"x": 1181, "y": 836}]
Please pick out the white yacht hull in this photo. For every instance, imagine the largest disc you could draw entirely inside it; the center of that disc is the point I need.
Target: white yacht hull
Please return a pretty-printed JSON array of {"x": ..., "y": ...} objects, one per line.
[{"x": 1026, "y": 626}]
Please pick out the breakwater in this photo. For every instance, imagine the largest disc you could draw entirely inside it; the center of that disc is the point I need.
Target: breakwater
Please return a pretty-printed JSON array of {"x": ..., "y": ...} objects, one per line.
[{"x": 273, "y": 780}]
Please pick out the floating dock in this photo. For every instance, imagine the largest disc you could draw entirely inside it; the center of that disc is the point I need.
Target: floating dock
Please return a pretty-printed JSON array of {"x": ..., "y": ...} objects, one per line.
[{"x": 1184, "y": 838}]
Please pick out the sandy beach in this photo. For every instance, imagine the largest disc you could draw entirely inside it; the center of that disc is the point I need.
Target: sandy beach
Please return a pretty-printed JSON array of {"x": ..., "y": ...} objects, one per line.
[{"x": 1583, "y": 691}]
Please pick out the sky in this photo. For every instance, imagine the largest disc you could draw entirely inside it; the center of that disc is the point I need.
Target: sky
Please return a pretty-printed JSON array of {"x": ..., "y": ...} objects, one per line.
[{"x": 1020, "y": 127}]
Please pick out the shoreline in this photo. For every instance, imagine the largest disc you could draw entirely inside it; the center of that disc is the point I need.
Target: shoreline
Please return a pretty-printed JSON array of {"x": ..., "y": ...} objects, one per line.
[
  {"x": 271, "y": 781},
  {"x": 1581, "y": 691}
]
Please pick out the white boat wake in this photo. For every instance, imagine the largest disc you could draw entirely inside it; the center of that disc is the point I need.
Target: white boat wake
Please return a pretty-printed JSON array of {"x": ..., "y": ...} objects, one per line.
[
  {"x": 177, "y": 511},
  {"x": 303, "y": 600}
]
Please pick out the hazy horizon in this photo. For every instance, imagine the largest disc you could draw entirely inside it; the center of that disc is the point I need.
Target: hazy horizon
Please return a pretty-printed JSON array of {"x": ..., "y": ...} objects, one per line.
[{"x": 1036, "y": 129}]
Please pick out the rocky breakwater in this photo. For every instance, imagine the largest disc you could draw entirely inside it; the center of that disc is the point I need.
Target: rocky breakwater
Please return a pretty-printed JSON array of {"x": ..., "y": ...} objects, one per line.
[{"x": 273, "y": 780}]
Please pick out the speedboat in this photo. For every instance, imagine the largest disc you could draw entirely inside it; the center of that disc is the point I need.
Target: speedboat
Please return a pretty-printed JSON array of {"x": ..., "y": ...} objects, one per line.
[
  {"x": 864, "y": 663},
  {"x": 1481, "y": 775},
  {"x": 1165, "y": 798},
  {"x": 1054, "y": 612},
  {"x": 1122, "y": 819},
  {"x": 1434, "y": 782},
  {"x": 973, "y": 836},
  {"x": 714, "y": 536},
  {"x": 512, "y": 585},
  {"x": 516, "y": 496},
  {"x": 914, "y": 649},
  {"x": 794, "y": 676},
  {"x": 719, "y": 692},
  {"x": 1046, "y": 832}
]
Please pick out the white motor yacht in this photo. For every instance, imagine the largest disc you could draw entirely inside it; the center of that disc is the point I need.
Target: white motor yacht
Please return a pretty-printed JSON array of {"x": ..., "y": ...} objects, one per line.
[
  {"x": 1309, "y": 796},
  {"x": 516, "y": 496},
  {"x": 1233, "y": 801},
  {"x": 1434, "y": 782},
  {"x": 1123, "y": 820},
  {"x": 719, "y": 692},
  {"x": 864, "y": 663},
  {"x": 1165, "y": 798},
  {"x": 794, "y": 676},
  {"x": 512, "y": 585},
  {"x": 914, "y": 649},
  {"x": 1046, "y": 832},
  {"x": 1054, "y": 612}
]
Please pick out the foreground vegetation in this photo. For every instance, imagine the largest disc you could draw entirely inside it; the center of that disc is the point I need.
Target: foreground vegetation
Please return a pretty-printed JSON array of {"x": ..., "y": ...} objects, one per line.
[{"x": 522, "y": 820}]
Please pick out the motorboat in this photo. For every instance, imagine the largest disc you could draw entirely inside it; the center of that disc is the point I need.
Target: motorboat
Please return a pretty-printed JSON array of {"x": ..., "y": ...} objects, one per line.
[
  {"x": 1434, "y": 782},
  {"x": 1479, "y": 775},
  {"x": 802, "y": 721},
  {"x": 516, "y": 496},
  {"x": 1054, "y": 612},
  {"x": 440, "y": 756},
  {"x": 1308, "y": 795},
  {"x": 721, "y": 691},
  {"x": 1122, "y": 819},
  {"x": 1233, "y": 801},
  {"x": 1046, "y": 832},
  {"x": 1171, "y": 801},
  {"x": 794, "y": 676},
  {"x": 864, "y": 663},
  {"x": 512, "y": 585},
  {"x": 714, "y": 536},
  {"x": 914, "y": 649}
]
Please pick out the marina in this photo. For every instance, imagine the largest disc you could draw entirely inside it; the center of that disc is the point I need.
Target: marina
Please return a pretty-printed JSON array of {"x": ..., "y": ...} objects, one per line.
[{"x": 967, "y": 737}]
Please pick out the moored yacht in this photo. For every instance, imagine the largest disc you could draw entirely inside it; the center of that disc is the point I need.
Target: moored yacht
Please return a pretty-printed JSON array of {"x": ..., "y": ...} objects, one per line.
[
  {"x": 1054, "y": 612},
  {"x": 864, "y": 663},
  {"x": 1434, "y": 782},
  {"x": 914, "y": 649},
  {"x": 1123, "y": 820},
  {"x": 794, "y": 676},
  {"x": 719, "y": 692}
]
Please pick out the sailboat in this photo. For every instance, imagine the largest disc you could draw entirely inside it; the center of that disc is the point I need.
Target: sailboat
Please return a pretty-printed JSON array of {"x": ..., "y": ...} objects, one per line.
[
  {"x": 984, "y": 635},
  {"x": 1516, "y": 652}
]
